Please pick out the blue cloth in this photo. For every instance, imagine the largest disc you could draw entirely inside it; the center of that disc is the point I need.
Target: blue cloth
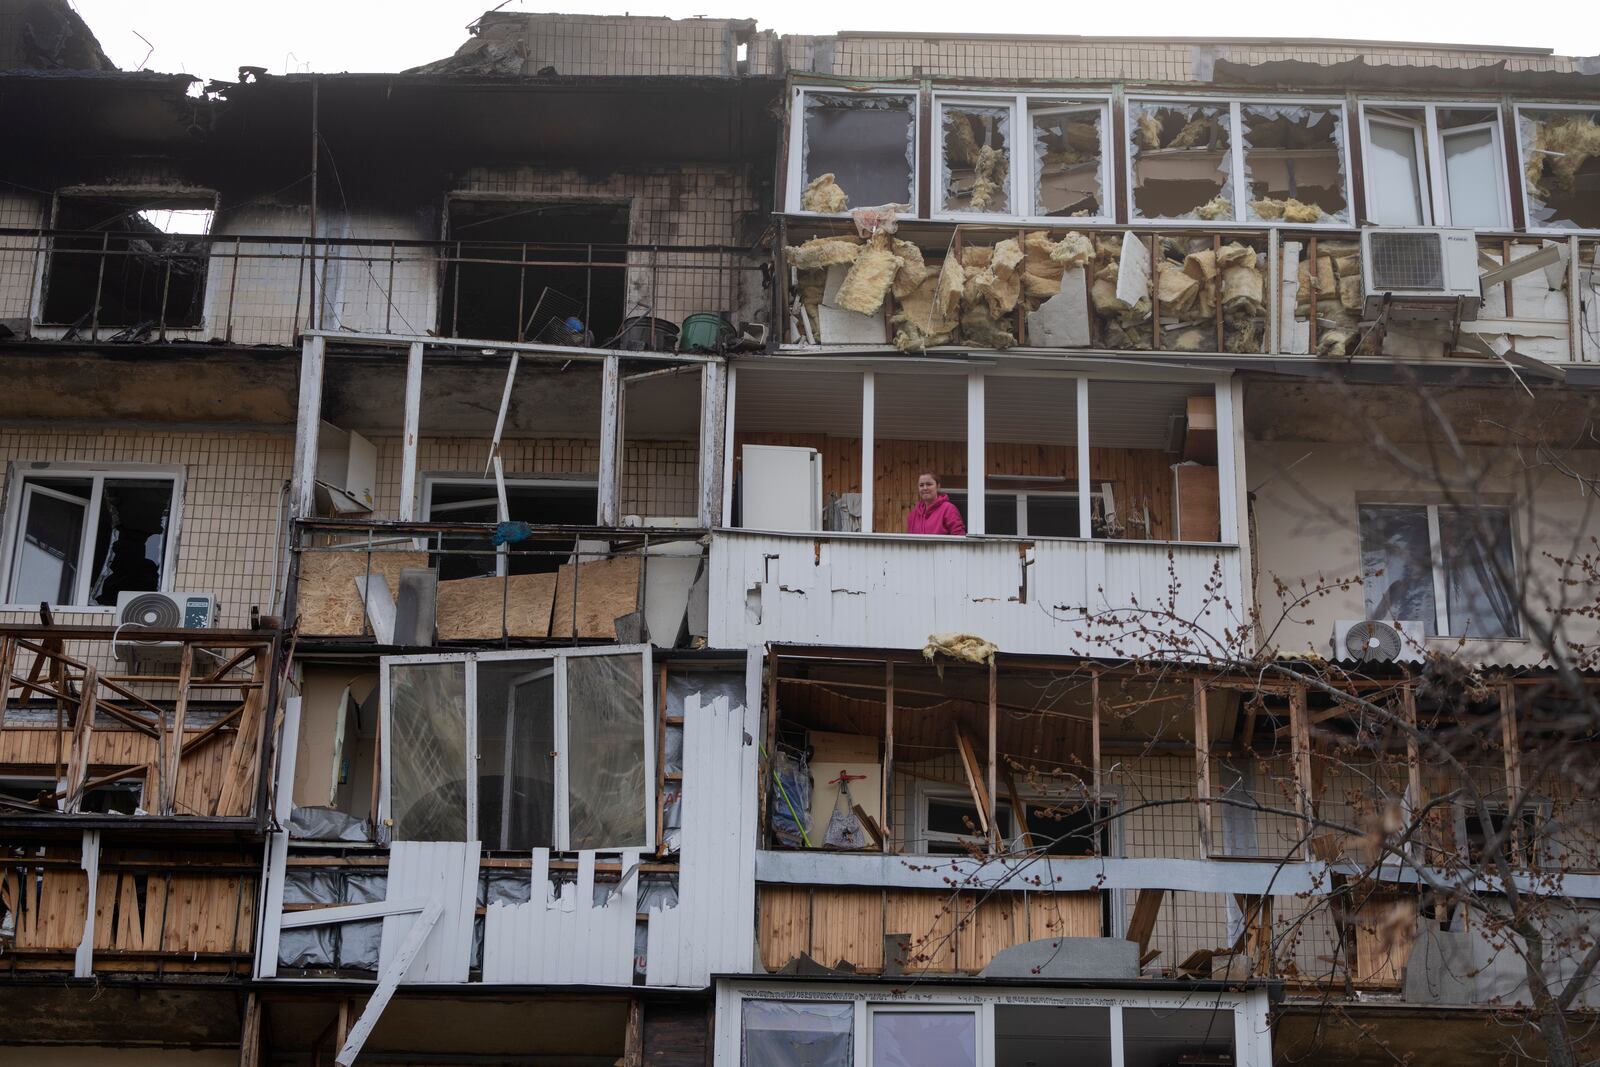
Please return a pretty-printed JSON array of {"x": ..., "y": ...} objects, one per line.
[{"x": 509, "y": 533}]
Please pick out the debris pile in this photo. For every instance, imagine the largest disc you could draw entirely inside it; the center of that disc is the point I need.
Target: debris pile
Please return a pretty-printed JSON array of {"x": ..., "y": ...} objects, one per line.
[{"x": 1334, "y": 278}]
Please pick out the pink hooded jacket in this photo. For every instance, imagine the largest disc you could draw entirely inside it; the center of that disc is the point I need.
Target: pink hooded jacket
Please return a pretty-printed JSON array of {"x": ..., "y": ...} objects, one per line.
[{"x": 939, "y": 517}]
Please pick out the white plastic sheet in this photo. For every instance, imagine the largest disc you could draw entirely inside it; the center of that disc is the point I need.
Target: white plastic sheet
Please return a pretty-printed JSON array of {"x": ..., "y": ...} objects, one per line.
[{"x": 780, "y": 1033}]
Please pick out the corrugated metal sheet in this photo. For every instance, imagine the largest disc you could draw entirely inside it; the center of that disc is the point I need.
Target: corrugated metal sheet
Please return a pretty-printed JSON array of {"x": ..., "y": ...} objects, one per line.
[
  {"x": 446, "y": 871},
  {"x": 565, "y": 939},
  {"x": 712, "y": 930},
  {"x": 884, "y": 593}
]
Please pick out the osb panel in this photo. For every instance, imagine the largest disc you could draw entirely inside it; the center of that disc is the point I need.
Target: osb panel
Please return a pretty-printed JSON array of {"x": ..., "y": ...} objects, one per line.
[
  {"x": 785, "y": 924},
  {"x": 847, "y": 924},
  {"x": 929, "y": 920},
  {"x": 607, "y": 589},
  {"x": 330, "y": 605},
  {"x": 476, "y": 608}
]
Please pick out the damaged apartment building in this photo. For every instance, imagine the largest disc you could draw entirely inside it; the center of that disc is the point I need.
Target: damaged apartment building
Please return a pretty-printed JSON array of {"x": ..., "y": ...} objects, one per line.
[{"x": 459, "y": 607}]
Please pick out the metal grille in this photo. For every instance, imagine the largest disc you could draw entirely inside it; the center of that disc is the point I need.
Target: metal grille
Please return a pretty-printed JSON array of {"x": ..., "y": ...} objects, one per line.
[{"x": 1406, "y": 261}]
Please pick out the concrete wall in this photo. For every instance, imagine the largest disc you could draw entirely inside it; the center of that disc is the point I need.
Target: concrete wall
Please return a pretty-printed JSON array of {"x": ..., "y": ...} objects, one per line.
[{"x": 1305, "y": 520}]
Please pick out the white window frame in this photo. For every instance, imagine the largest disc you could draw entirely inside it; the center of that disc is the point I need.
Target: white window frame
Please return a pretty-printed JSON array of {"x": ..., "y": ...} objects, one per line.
[
  {"x": 1252, "y": 1033},
  {"x": 1020, "y": 496},
  {"x": 1020, "y": 174},
  {"x": 795, "y": 169},
  {"x": 1441, "y": 585},
  {"x": 1434, "y": 191},
  {"x": 982, "y": 1015},
  {"x": 925, "y": 791},
  {"x": 556, "y": 658},
  {"x": 155, "y": 192},
  {"x": 20, "y": 472},
  {"x": 1522, "y": 166},
  {"x": 1235, "y": 106}
]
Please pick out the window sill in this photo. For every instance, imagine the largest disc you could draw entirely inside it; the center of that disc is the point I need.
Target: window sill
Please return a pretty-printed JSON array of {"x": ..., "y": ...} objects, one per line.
[{"x": 67, "y": 609}]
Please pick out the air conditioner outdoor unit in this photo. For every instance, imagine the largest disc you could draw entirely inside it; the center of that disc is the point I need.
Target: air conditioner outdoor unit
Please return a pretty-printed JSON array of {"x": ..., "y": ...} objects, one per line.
[
  {"x": 1375, "y": 641},
  {"x": 1421, "y": 273},
  {"x": 160, "y": 611}
]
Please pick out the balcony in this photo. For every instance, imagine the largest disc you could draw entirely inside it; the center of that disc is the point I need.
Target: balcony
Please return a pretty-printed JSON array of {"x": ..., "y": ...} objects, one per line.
[{"x": 102, "y": 730}]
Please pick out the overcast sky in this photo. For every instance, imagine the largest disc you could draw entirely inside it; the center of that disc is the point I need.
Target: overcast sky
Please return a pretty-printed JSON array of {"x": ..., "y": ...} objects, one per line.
[{"x": 213, "y": 38}]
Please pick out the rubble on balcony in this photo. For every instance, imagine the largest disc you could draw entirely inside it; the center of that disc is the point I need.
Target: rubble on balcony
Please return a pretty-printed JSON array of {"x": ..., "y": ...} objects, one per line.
[{"x": 1322, "y": 297}]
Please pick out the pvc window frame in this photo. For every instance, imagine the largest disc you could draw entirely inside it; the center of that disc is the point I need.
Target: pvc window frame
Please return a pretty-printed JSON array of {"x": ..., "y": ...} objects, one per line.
[
  {"x": 20, "y": 472},
  {"x": 982, "y": 1015},
  {"x": 926, "y": 791},
  {"x": 1522, "y": 166},
  {"x": 1434, "y": 190},
  {"x": 1252, "y": 1034},
  {"x": 556, "y": 659},
  {"x": 795, "y": 164},
  {"x": 1021, "y": 174},
  {"x": 1441, "y": 582},
  {"x": 1235, "y": 106}
]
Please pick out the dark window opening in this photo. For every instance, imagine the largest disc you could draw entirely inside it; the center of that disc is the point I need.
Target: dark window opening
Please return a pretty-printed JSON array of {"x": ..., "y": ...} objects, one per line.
[
  {"x": 140, "y": 262},
  {"x": 488, "y": 293},
  {"x": 125, "y": 549},
  {"x": 474, "y": 556}
]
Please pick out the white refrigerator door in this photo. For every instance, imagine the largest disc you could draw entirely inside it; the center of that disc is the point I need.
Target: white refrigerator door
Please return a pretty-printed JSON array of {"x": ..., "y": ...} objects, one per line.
[{"x": 782, "y": 488}]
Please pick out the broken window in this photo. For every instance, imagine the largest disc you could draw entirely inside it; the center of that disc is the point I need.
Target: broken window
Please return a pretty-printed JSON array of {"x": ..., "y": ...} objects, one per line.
[
  {"x": 573, "y": 293},
  {"x": 546, "y": 501},
  {"x": 1444, "y": 567},
  {"x": 79, "y": 538},
  {"x": 1068, "y": 159},
  {"x": 866, "y": 141},
  {"x": 780, "y": 1033},
  {"x": 1434, "y": 165},
  {"x": 522, "y": 750},
  {"x": 1561, "y": 167},
  {"x": 975, "y": 160},
  {"x": 133, "y": 261},
  {"x": 1294, "y": 163},
  {"x": 1182, "y": 161}
]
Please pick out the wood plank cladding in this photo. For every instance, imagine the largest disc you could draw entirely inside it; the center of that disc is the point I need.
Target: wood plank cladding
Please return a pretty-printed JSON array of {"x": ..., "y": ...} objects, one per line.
[
  {"x": 1140, "y": 478},
  {"x": 950, "y": 933}
]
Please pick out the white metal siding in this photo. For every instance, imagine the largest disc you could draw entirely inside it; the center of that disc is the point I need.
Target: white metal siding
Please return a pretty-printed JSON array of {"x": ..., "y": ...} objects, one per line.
[
  {"x": 894, "y": 593},
  {"x": 712, "y": 930},
  {"x": 443, "y": 871},
  {"x": 565, "y": 940}
]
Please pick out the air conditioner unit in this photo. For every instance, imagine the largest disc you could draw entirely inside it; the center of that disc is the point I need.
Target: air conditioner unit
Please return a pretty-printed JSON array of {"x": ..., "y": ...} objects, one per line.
[
  {"x": 161, "y": 611},
  {"x": 1420, "y": 273},
  {"x": 1375, "y": 641}
]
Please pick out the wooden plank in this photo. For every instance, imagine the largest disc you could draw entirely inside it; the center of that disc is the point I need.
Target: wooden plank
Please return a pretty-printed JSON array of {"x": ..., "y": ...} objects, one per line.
[
  {"x": 1386, "y": 932},
  {"x": 1019, "y": 810},
  {"x": 847, "y": 924},
  {"x": 237, "y": 795},
  {"x": 82, "y": 737},
  {"x": 987, "y": 925},
  {"x": 1512, "y": 751},
  {"x": 633, "y": 1039},
  {"x": 993, "y": 782},
  {"x": 785, "y": 924},
  {"x": 1202, "y": 756},
  {"x": 886, "y": 806},
  {"x": 1052, "y": 915},
  {"x": 928, "y": 920},
  {"x": 250, "y": 1032},
  {"x": 172, "y": 740},
  {"x": 969, "y": 764},
  {"x": 1146, "y": 909},
  {"x": 1094, "y": 735},
  {"x": 1300, "y": 736}
]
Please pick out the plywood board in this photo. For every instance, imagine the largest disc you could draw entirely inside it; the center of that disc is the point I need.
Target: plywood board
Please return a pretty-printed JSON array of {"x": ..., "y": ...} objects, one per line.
[
  {"x": 607, "y": 589},
  {"x": 476, "y": 608},
  {"x": 835, "y": 754},
  {"x": 329, "y": 603}
]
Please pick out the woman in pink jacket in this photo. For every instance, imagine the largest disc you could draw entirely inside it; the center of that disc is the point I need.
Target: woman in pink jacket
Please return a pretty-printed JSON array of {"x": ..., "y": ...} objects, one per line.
[{"x": 934, "y": 514}]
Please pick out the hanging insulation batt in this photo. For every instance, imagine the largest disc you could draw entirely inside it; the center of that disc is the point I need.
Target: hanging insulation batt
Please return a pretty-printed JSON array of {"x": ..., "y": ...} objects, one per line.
[
  {"x": 871, "y": 277},
  {"x": 824, "y": 195}
]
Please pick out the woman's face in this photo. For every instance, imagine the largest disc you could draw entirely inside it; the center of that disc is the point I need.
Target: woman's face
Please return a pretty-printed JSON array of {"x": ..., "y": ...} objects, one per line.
[{"x": 927, "y": 488}]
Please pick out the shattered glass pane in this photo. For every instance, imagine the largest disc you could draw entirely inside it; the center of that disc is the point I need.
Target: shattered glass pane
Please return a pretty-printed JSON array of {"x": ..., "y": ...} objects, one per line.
[
  {"x": 1397, "y": 564},
  {"x": 1182, "y": 161},
  {"x": 1476, "y": 545},
  {"x": 605, "y": 752},
  {"x": 1294, "y": 164},
  {"x": 1561, "y": 168},
  {"x": 975, "y": 166},
  {"x": 428, "y": 751},
  {"x": 1066, "y": 154},
  {"x": 865, "y": 140},
  {"x": 131, "y": 546}
]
